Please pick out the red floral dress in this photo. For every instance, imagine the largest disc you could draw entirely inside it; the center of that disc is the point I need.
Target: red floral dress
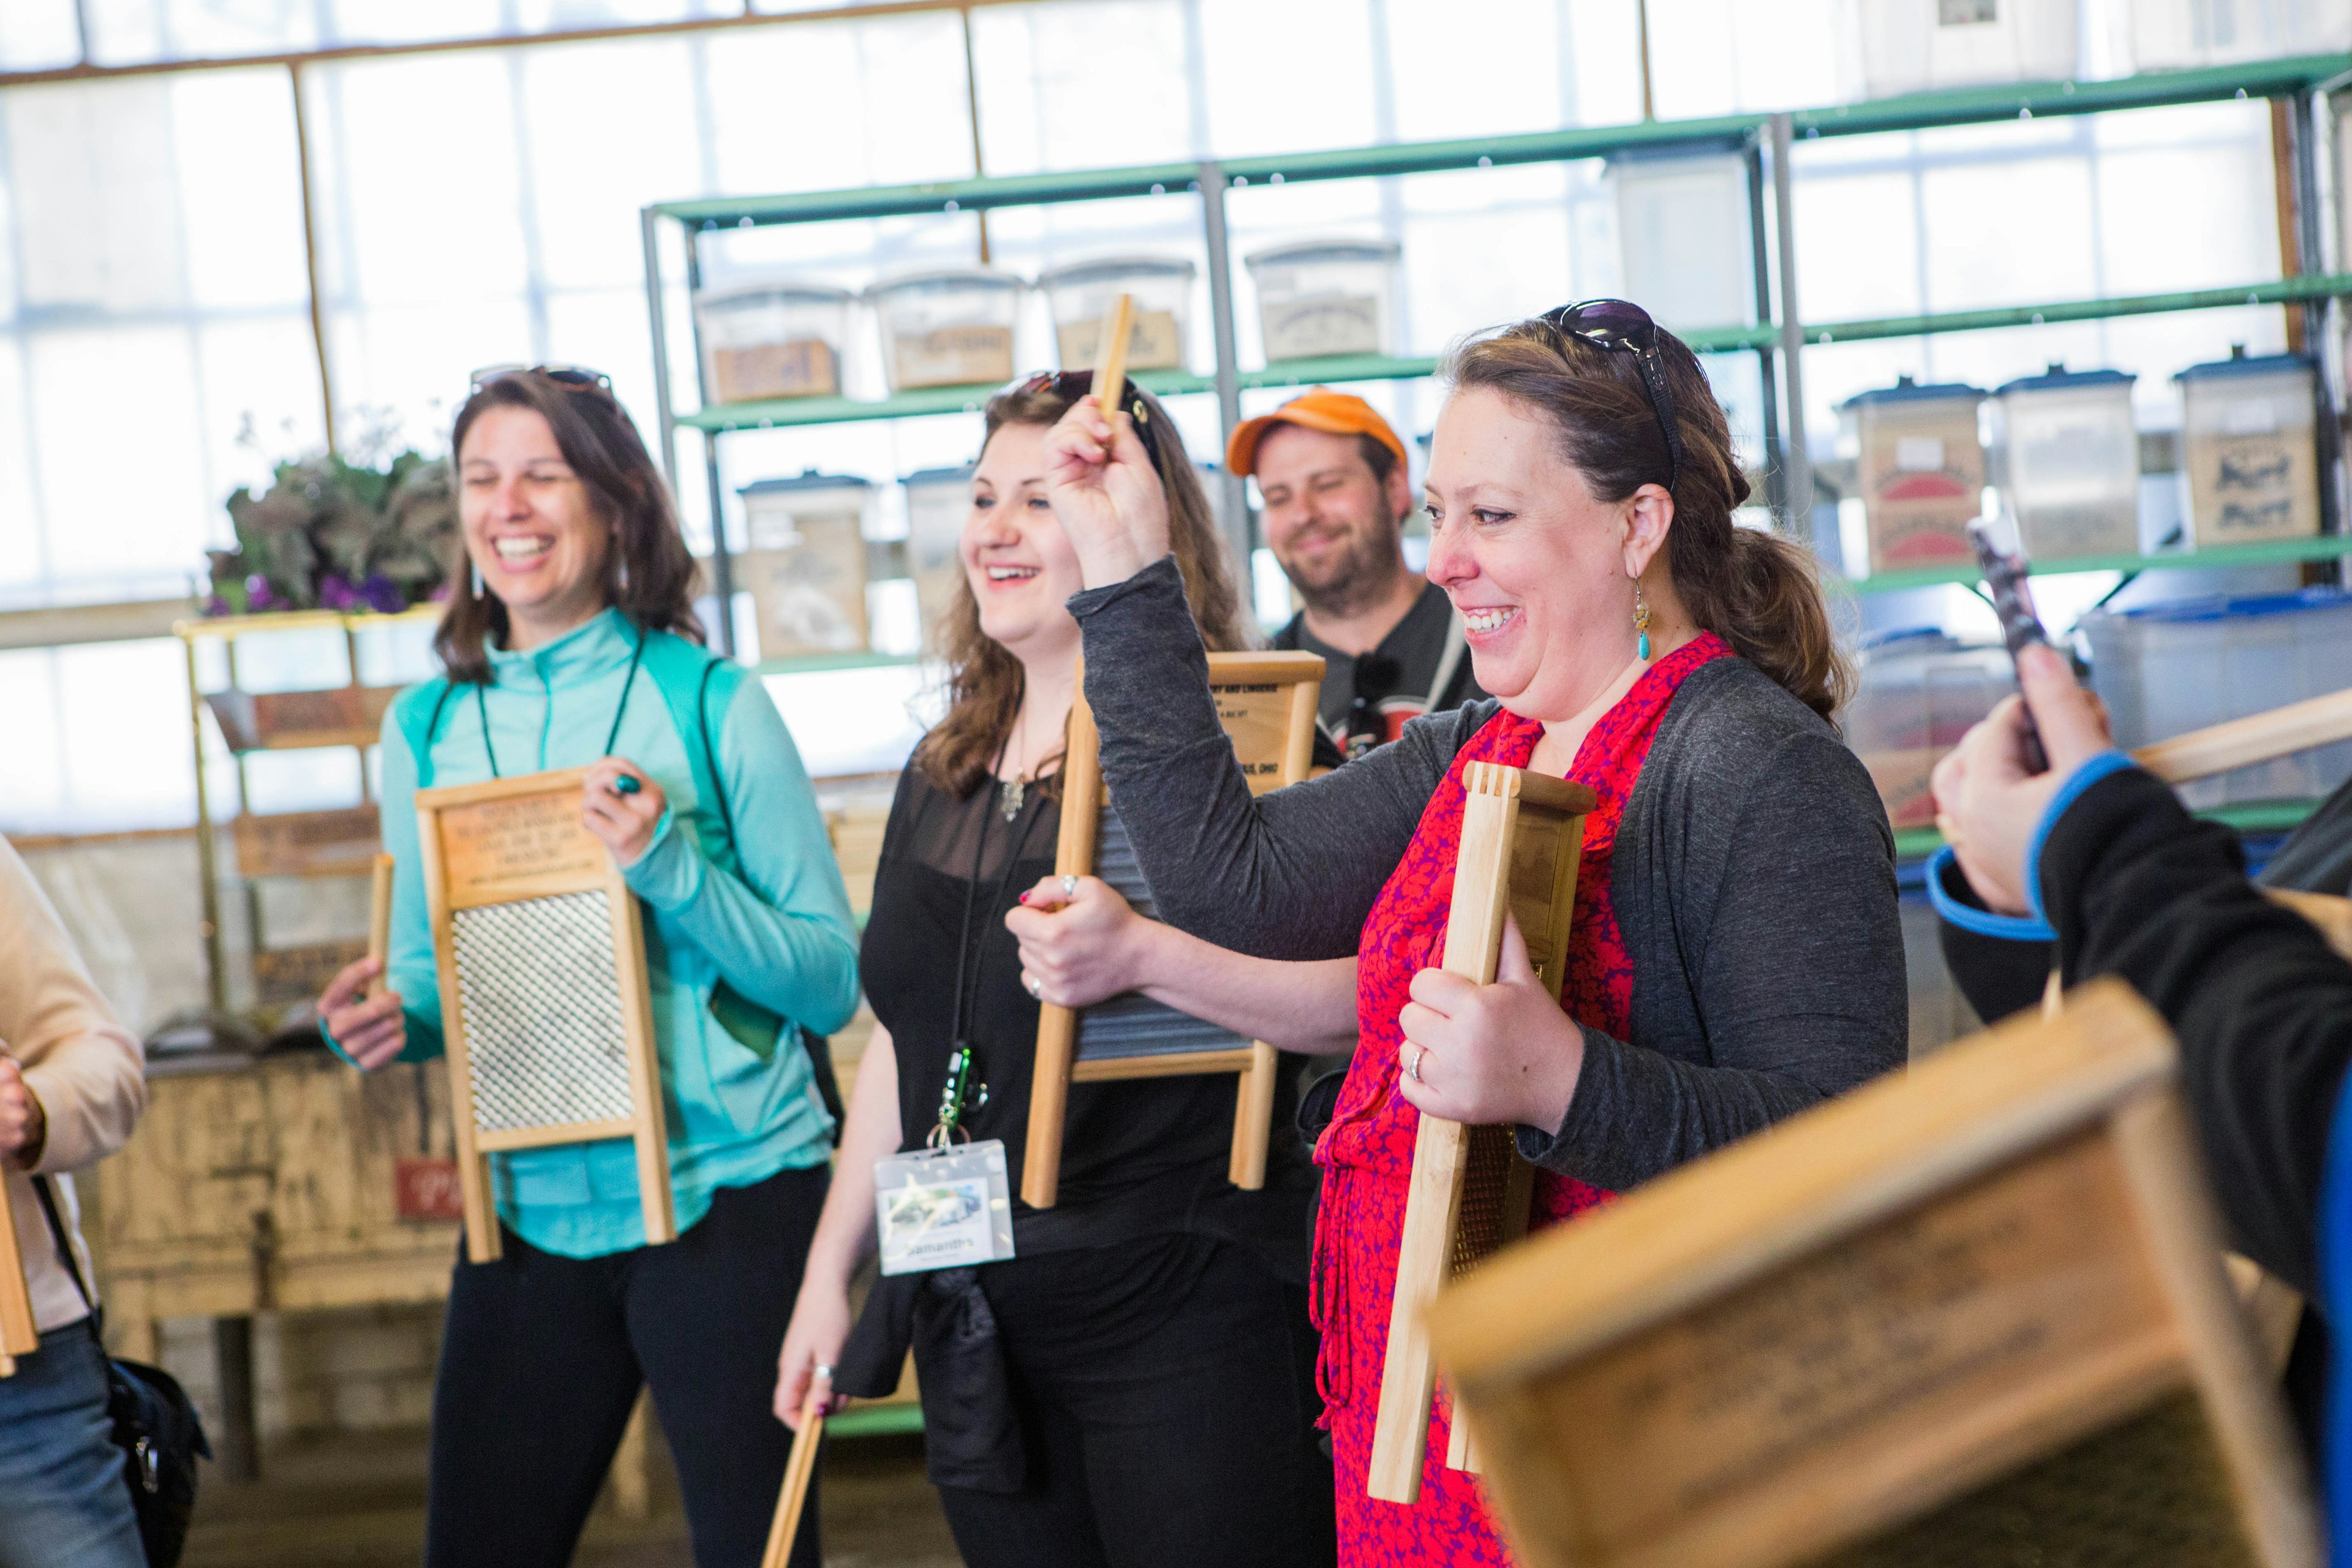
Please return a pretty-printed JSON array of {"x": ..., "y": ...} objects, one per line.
[{"x": 1366, "y": 1151}]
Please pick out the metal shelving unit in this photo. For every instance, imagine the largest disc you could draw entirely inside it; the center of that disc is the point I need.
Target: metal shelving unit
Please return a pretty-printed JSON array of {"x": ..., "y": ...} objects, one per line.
[{"x": 1777, "y": 339}]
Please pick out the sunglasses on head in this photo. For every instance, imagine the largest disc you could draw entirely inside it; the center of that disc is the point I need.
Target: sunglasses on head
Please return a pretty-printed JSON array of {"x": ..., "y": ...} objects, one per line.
[
  {"x": 573, "y": 377},
  {"x": 1072, "y": 385},
  {"x": 1620, "y": 326}
]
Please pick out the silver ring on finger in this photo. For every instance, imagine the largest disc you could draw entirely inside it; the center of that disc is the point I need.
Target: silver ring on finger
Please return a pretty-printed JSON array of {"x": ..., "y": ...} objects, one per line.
[
  {"x": 1413, "y": 1068},
  {"x": 1029, "y": 983},
  {"x": 1069, "y": 887},
  {"x": 822, "y": 1371}
]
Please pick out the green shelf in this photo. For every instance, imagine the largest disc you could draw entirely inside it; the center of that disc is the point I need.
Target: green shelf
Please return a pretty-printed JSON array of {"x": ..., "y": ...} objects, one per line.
[
  {"x": 876, "y": 1421},
  {"x": 825, "y": 663},
  {"x": 2270, "y": 553},
  {"x": 2251, "y": 817},
  {"x": 1916, "y": 112},
  {"x": 2277, "y": 291}
]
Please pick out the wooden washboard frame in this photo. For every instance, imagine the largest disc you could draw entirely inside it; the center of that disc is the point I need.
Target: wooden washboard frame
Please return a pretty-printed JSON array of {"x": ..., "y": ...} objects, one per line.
[
  {"x": 19, "y": 1334},
  {"x": 1963, "y": 1310},
  {"x": 518, "y": 845},
  {"x": 1522, "y": 836},
  {"x": 1267, "y": 702}
]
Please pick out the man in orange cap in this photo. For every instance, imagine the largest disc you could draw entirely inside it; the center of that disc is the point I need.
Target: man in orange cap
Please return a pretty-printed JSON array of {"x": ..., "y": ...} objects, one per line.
[{"x": 1331, "y": 476}]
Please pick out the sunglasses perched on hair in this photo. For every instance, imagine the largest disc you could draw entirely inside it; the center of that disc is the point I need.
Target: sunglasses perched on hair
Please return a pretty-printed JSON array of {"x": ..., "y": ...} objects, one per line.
[
  {"x": 1622, "y": 327},
  {"x": 577, "y": 377},
  {"x": 1074, "y": 384}
]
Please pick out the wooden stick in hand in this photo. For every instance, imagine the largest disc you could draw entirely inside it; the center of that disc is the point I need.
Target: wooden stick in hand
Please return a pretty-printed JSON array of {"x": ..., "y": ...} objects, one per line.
[
  {"x": 379, "y": 922},
  {"x": 1110, "y": 356},
  {"x": 798, "y": 1471}
]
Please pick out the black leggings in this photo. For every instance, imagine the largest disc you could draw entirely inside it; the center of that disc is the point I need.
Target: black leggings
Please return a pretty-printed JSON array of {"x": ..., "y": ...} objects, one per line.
[
  {"x": 542, "y": 1356},
  {"x": 1166, "y": 1391}
]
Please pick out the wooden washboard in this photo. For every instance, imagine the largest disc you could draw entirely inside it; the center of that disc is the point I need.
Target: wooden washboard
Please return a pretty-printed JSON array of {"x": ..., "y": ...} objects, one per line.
[
  {"x": 1522, "y": 835},
  {"x": 1267, "y": 702},
  {"x": 543, "y": 998},
  {"x": 1973, "y": 1313},
  {"x": 19, "y": 1335}
]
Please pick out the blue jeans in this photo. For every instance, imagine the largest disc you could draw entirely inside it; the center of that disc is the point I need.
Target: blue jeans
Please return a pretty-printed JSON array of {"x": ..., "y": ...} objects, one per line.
[{"x": 62, "y": 1497}]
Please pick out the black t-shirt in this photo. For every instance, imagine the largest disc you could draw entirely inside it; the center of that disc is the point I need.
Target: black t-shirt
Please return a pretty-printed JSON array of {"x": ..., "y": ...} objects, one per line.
[
  {"x": 1366, "y": 701},
  {"x": 1140, "y": 1156}
]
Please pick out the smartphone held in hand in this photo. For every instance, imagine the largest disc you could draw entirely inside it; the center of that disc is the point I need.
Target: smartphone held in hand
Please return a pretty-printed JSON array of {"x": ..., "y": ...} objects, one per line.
[{"x": 2005, "y": 574}]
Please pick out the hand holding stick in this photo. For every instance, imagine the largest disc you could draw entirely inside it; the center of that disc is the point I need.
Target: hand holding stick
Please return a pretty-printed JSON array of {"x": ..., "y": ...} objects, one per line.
[{"x": 798, "y": 1471}]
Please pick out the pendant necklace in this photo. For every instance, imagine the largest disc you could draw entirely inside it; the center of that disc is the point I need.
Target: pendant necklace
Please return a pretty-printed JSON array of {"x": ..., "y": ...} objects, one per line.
[{"x": 1009, "y": 793}]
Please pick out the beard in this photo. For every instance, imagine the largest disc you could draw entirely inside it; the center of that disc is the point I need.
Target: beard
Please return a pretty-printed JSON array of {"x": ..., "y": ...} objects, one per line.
[{"x": 1350, "y": 578}]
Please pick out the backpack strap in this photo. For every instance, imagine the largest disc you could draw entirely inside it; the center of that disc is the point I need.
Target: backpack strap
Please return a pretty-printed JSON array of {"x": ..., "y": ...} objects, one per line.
[
  {"x": 417, "y": 711},
  {"x": 698, "y": 686}
]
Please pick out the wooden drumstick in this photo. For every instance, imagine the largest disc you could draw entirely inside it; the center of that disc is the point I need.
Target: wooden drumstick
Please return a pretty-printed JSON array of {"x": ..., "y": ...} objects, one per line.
[
  {"x": 1110, "y": 356},
  {"x": 798, "y": 1470},
  {"x": 379, "y": 922}
]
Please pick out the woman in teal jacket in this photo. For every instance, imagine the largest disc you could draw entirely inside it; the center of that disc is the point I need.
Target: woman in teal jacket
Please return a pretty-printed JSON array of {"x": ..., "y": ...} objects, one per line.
[{"x": 576, "y": 645}]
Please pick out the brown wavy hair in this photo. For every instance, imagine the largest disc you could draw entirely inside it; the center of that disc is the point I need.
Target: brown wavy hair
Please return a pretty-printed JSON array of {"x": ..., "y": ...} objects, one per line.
[
  {"x": 1756, "y": 590},
  {"x": 984, "y": 682},
  {"x": 648, "y": 572}
]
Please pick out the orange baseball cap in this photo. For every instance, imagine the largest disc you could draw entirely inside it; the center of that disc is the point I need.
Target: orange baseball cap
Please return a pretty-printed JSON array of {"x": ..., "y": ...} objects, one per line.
[{"x": 1317, "y": 408}]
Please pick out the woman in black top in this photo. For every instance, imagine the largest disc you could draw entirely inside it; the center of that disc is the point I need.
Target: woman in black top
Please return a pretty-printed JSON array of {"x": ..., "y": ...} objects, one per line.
[{"x": 1135, "y": 1385}]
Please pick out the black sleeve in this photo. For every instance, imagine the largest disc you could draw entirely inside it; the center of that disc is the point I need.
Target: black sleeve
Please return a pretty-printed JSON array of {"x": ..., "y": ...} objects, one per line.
[
  {"x": 1999, "y": 975},
  {"x": 1287, "y": 875},
  {"x": 2262, "y": 1008}
]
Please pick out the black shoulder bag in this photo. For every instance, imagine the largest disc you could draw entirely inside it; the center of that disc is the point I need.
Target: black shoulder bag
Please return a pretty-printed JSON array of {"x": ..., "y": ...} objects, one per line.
[{"x": 154, "y": 1426}]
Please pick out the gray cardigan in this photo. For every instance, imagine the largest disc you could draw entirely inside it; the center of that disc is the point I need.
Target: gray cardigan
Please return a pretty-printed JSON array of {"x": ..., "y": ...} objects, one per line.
[{"x": 1753, "y": 881}]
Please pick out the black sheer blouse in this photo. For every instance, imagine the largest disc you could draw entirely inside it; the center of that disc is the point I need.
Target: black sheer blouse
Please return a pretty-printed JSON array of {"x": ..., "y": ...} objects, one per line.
[{"x": 1139, "y": 1157}]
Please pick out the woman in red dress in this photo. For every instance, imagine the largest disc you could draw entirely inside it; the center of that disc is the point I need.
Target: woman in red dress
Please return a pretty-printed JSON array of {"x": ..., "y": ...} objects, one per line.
[{"x": 1735, "y": 952}]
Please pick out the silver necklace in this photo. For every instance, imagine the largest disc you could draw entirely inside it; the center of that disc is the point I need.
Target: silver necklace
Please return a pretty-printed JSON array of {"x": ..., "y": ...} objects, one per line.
[{"x": 1009, "y": 793}]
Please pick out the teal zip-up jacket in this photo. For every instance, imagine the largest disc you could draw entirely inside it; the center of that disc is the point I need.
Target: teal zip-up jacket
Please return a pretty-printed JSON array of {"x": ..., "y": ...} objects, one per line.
[{"x": 778, "y": 932}]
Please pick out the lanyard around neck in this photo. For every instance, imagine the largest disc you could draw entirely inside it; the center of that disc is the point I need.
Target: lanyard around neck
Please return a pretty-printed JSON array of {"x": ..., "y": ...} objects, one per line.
[
  {"x": 482, "y": 707},
  {"x": 959, "y": 1093}
]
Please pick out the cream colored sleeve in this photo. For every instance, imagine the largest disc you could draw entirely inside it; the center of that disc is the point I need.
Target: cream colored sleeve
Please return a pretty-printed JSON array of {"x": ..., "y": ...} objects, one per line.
[{"x": 86, "y": 1067}]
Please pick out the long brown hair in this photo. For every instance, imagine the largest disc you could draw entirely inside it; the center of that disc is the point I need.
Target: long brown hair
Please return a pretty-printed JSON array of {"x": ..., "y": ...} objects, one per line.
[
  {"x": 984, "y": 680},
  {"x": 648, "y": 572},
  {"x": 1757, "y": 591}
]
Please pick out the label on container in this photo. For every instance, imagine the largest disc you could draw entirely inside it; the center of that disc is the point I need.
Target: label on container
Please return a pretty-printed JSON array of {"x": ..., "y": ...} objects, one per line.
[
  {"x": 952, "y": 356},
  {"x": 1918, "y": 453},
  {"x": 801, "y": 368},
  {"x": 806, "y": 576},
  {"x": 1967, "y": 12},
  {"x": 1152, "y": 343},
  {"x": 1322, "y": 325},
  {"x": 2257, "y": 419}
]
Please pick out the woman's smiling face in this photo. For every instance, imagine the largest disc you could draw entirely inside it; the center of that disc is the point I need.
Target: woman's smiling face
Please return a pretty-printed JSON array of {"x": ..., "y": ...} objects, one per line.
[
  {"x": 531, "y": 528},
  {"x": 1532, "y": 559},
  {"x": 1016, "y": 558}
]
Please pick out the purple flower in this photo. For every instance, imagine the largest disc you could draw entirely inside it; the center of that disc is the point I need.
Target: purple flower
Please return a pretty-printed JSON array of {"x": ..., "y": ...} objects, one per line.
[
  {"x": 258, "y": 595},
  {"x": 335, "y": 593}
]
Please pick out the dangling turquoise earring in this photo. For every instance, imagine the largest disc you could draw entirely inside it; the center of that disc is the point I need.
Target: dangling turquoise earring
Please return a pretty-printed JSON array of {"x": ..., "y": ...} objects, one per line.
[{"x": 1641, "y": 623}]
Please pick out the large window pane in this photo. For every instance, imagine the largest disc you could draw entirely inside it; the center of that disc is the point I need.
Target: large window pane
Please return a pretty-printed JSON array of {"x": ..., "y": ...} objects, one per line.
[
  {"x": 38, "y": 35},
  {"x": 157, "y": 312}
]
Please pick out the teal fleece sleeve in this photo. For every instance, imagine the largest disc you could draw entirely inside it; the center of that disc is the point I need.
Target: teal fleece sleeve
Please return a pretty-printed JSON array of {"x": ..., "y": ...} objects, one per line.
[
  {"x": 409, "y": 966},
  {"x": 781, "y": 933}
]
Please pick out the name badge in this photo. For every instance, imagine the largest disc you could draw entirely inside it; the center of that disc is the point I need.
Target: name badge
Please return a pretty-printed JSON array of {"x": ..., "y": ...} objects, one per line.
[{"x": 943, "y": 1208}]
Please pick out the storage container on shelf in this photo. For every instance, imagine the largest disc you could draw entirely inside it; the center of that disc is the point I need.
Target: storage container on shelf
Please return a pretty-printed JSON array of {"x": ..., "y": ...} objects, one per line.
[
  {"x": 2167, "y": 668},
  {"x": 2174, "y": 34},
  {"x": 1082, "y": 298},
  {"x": 2247, "y": 430},
  {"x": 2072, "y": 451},
  {"x": 1320, "y": 298},
  {"x": 939, "y": 501},
  {"x": 1908, "y": 46},
  {"x": 1919, "y": 468},
  {"x": 1682, "y": 238},
  {"x": 804, "y": 564},
  {"x": 947, "y": 329},
  {"x": 1920, "y": 691},
  {"x": 773, "y": 339}
]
